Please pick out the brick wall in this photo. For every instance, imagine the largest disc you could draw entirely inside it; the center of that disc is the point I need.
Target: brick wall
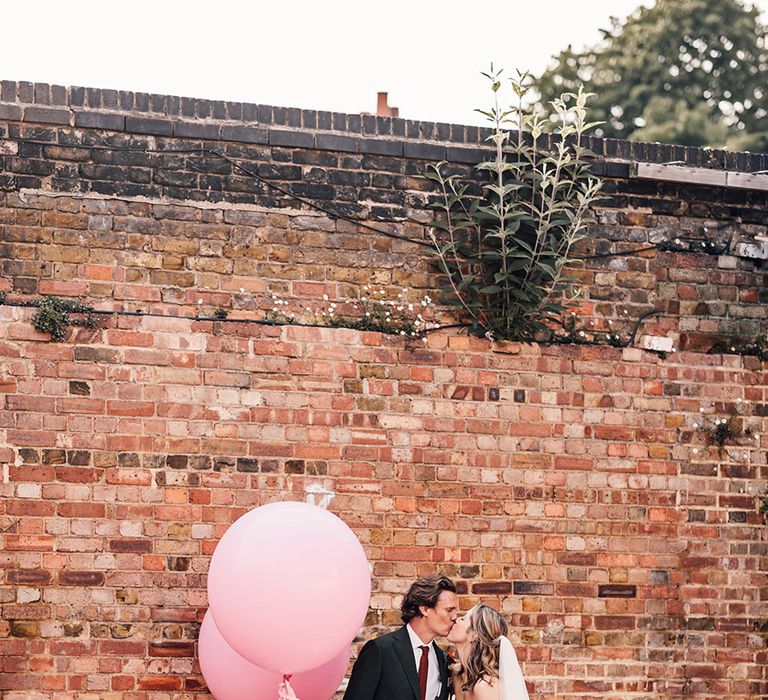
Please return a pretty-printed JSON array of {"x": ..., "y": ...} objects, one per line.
[{"x": 567, "y": 485}]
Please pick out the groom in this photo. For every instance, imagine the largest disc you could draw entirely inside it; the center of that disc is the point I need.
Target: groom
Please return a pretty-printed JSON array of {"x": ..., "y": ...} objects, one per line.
[{"x": 407, "y": 664}]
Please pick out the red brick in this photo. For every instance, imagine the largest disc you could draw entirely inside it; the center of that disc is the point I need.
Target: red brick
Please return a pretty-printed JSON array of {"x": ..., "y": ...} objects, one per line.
[
  {"x": 160, "y": 683},
  {"x": 130, "y": 408},
  {"x": 567, "y": 462},
  {"x": 130, "y": 545},
  {"x": 101, "y": 272},
  {"x": 614, "y": 622},
  {"x": 119, "y": 683},
  {"x": 138, "y": 477},
  {"x": 136, "y": 293},
  {"x": 28, "y": 611},
  {"x": 130, "y": 339},
  {"x": 72, "y": 647},
  {"x": 316, "y": 452},
  {"x": 122, "y": 648},
  {"x": 81, "y": 510},
  {"x": 19, "y": 681},
  {"x": 81, "y": 578},
  {"x": 28, "y": 576},
  {"x": 605, "y": 432},
  {"x": 40, "y": 404},
  {"x": 78, "y": 475},
  {"x": 405, "y": 554},
  {"x": 29, "y": 543},
  {"x": 28, "y": 507},
  {"x": 31, "y": 438},
  {"x": 492, "y": 588},
  {"x": 176, "y": 649},
  {"x": 153, "y": 563},
  {"x": 80, "y": 406},
  {"x": 62, "y": 288}
]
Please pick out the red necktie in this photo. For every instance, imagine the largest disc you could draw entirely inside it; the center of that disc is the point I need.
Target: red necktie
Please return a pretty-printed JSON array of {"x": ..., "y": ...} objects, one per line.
[{"x": 423, "y": 671}]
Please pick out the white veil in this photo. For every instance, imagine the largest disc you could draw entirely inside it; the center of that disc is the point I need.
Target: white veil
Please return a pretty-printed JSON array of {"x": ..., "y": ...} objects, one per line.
[{"x": 510, "y": 674}]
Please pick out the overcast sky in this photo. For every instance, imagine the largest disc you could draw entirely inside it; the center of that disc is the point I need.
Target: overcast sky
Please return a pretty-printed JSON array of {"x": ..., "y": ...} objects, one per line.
[{"x": 326, "y": 54}]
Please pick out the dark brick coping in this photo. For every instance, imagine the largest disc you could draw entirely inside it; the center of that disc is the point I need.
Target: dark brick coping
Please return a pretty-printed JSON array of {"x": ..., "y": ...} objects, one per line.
[{"x": 187, "y": 117}]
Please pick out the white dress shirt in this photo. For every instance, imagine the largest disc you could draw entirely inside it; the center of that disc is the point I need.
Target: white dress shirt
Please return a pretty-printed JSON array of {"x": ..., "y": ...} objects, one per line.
[{"x": 433, "y": 674}]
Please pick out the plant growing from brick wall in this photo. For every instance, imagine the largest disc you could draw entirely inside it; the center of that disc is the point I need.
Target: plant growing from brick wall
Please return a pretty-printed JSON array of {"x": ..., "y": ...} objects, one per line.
[
  {"x": 724, "y": 431},
  {"x": 376, "y": 313},
  {"x": 728, "y": 431},
  {"x": 373, "y": 311},
  {"x": 757, "y": 347},
  {"x": 53, "y": 316},
  {"x": 506, "y": 251}
]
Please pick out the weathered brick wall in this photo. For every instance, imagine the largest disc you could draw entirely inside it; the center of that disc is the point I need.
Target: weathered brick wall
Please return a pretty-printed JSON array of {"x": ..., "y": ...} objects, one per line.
[{"x": 567, "y": 485}]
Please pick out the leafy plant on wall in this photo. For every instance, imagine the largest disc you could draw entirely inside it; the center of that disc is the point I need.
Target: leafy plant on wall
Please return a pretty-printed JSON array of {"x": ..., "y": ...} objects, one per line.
[{"x": 506, "y": 249}]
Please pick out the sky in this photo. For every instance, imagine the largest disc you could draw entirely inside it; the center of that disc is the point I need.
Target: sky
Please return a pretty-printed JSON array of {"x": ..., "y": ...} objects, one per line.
[{"x": 323, "y": 54}]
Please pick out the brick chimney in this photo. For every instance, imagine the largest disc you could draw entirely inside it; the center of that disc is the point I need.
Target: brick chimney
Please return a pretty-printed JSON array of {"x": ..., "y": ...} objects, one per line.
[{"x": 383, "y": 109}]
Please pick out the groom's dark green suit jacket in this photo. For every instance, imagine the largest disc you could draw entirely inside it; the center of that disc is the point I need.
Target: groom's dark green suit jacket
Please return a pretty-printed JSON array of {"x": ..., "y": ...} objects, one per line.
[{"x": 386, "y": 670}]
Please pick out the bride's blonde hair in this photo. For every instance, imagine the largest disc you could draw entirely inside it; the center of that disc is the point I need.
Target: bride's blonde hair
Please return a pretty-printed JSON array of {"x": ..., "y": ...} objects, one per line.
[{"x": 483, "y": 657}]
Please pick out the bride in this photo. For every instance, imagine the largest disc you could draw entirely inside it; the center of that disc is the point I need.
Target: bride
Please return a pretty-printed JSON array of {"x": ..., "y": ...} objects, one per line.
[{"x": 487, "y": 667}]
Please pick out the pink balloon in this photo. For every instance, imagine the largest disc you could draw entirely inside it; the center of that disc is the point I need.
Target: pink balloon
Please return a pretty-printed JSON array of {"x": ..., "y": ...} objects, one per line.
[
  {"x": 289, "y": 586},
  {"x": 230, "y": 677},
  {"x": 322, "y": 682}
]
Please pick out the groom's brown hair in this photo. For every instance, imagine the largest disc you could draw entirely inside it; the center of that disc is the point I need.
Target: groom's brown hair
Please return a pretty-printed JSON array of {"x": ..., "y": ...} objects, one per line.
[{"x": 424, "y": 591}]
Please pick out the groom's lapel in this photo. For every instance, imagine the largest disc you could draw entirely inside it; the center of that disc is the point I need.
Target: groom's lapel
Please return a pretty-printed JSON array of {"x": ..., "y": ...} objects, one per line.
[{"x": 405, "y": 656}]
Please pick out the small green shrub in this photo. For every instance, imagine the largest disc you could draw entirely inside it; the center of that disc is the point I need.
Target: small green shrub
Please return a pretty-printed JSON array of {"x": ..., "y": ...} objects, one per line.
[{"x": 53, "y": 316}]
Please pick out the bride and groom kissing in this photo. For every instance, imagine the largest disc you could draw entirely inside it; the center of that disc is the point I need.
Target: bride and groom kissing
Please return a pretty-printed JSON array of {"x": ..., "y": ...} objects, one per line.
[{"x": 407, "y": 664}]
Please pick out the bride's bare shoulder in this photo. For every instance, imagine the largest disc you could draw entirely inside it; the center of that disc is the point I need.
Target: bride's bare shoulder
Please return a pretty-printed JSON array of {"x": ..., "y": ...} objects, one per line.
[{"x": 487, "y": 690}]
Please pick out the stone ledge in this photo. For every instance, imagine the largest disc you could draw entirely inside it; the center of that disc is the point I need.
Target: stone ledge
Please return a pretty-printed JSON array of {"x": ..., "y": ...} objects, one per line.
[{"x": 103, "y": 108}]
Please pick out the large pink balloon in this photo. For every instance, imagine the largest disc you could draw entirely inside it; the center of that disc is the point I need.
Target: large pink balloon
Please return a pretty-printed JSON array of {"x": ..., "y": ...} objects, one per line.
[
  {"x": 230, "y": 677},
  {"x": 289, "y": 586}
]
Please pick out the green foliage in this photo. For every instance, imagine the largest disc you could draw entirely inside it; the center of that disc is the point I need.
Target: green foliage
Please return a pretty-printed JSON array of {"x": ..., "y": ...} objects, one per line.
[
  {"x": 671, "y": 120},
  {"x": 723, "y": 431},
  {"x": 571, "y": 333},
  {"x": 373, "y": 311},
  {"x": 53, "y": 316},
  {"x": 738, "y": 346},
  {"x": 505, "y": 250},
  {"x": 690, "y": 72}
]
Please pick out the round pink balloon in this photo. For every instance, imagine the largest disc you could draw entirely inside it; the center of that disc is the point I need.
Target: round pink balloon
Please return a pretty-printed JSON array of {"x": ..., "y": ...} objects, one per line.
[
  {"x": 230, "y": 677},
  {"x": 322, "y": 682},
  {"x": 289, "y": 586}
]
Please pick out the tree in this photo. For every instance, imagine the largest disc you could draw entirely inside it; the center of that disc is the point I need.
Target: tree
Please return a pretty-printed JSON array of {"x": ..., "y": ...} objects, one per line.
[{"x": 683, "y": 71}]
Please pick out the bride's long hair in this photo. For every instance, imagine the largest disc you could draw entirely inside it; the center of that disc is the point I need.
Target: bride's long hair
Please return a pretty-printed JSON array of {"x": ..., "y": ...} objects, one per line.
[{"x": 483, "y": 657}]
